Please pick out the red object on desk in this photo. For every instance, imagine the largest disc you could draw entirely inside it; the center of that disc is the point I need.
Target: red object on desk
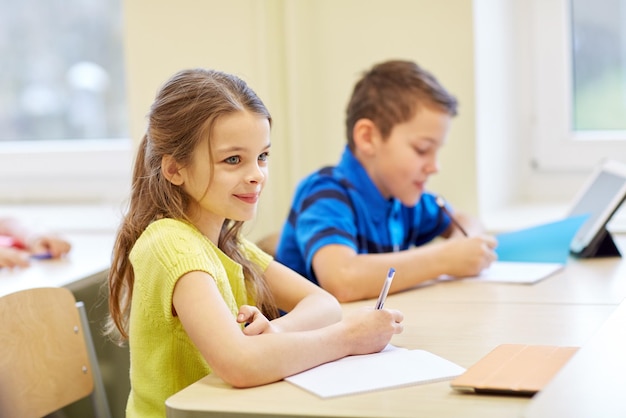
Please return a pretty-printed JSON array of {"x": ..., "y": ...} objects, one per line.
[{"x": 8, "y": 241}]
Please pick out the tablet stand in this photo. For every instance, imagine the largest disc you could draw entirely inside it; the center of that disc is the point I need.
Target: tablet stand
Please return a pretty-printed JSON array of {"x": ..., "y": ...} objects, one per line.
[{"x": 604, "y": 246}]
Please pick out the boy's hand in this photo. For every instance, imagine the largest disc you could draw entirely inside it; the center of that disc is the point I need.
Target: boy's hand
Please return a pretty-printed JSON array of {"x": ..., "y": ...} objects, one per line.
[{"x": 467, "y": 257}]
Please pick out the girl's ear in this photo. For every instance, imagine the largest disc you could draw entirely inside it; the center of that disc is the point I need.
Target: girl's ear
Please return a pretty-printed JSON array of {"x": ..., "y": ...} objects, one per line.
[
  {"x": 365, "y": 135},
  {"x": 171, "y": 170}
]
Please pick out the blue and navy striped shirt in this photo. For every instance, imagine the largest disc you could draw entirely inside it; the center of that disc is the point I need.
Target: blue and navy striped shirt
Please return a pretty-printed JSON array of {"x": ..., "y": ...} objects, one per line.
[{"x": 341, "y": 205}]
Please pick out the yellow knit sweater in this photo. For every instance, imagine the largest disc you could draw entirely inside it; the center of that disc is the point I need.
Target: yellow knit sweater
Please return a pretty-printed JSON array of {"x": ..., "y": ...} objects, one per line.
[{"x": 163, "y": 360}]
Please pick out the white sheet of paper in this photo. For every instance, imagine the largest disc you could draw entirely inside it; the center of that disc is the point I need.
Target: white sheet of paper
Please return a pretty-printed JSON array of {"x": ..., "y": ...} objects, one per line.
[
  {"x": 392, "y": 367},
  {"x": 518, "y": 272}
]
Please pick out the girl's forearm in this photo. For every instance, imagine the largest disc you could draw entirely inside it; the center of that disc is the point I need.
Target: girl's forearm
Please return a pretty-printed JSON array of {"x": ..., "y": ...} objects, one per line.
[{"x": 314, "y": 311}]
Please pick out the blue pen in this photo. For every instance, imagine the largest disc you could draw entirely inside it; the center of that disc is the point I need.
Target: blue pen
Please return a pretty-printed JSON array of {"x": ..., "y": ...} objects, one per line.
[
  {"x": 383, "y": 293},
  {"x": 41, "y": 256}
]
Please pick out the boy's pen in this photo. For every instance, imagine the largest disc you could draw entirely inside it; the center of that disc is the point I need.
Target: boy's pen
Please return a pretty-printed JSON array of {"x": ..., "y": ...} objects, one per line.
[
  {"x": 442, "y": 204},
  {"x": 383, "y": 293}
]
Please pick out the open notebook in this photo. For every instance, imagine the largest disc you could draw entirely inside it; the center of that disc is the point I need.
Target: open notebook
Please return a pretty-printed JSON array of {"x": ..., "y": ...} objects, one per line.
[
  {"x": 532, "y": 254},
  {"x": 517, "y": 272},
  {"x": 392, "y": 367}
]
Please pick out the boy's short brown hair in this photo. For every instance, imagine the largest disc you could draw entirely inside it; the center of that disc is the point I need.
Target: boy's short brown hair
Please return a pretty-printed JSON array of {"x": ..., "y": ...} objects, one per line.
[{"x": 390, "y": 93}]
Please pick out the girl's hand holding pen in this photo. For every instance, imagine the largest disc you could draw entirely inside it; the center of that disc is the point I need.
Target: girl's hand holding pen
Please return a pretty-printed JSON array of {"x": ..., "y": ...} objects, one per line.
[{"x": 370, "y": 330}]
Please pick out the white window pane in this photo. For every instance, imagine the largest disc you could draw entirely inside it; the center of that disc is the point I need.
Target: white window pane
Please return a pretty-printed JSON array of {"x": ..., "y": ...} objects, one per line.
[
  {"x": 62, "y": 73},
  {"x": 577, "y": 81},
  {"x": 63, "y": 114},
  {"x": 599, "y": 64}
]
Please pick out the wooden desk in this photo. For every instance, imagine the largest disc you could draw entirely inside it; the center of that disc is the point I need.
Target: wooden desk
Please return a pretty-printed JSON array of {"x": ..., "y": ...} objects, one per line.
[
  {"x": 593, "y": 281},
  {"x": 83, "y": 271},
  {"x": 592, "y": 383},
  {"x": 86, "y": 263},
  {"x": 460, "y": 321},
  {"x": 460, "y": 332},
  {"x": 582, "y": 281}
]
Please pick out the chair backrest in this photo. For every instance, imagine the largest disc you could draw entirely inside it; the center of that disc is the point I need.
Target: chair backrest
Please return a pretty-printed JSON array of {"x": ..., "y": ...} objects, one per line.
[
  {"x": 269, "y": 243},
  {"x": 47, "y": 359}
]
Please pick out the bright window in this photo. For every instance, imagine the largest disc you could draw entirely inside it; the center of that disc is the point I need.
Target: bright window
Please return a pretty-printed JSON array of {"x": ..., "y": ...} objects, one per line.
[
  {"x": 63, "y": 113},
  {"x": 599, "y": 65},
  {"x": 580, "y": 82}
]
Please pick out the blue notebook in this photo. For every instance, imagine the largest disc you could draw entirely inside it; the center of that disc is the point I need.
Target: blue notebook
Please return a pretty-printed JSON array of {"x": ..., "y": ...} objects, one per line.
[{"x": 546, "y": 243}]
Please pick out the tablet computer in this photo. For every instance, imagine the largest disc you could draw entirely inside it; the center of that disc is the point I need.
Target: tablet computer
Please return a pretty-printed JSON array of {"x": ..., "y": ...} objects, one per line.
[{"x": 599, "y": 198}]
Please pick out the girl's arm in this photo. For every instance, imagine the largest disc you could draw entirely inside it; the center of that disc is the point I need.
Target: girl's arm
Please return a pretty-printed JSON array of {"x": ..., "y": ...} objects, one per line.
[
  {"x": 250, "y": 360},
  {"x": 308, "y": 306}
]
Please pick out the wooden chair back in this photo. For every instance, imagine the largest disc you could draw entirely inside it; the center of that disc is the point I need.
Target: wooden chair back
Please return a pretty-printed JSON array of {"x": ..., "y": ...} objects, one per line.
[
  {"x": 45, "y": 358},
  {"x": 269, "y": 243}
]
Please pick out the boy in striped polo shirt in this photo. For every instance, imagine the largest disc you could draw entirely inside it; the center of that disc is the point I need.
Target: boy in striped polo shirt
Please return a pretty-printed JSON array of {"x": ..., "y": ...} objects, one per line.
[{"x": 350, "y": 223}]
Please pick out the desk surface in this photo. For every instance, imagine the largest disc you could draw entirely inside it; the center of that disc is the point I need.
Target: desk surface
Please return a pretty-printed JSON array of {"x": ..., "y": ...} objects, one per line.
[
  {"x": 461, "y": 321},
  {"x": 589, "y": 281},
  {"x": 88, "y": 260},
  {"x": 83, "y": 271},
  {"x": 460, "y": 332},
  {"x": 592, "y": 383}
]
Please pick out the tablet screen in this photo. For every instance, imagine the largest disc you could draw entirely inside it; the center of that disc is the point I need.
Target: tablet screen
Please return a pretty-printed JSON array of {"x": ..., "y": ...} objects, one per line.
[{"x": 601, "y": 197}]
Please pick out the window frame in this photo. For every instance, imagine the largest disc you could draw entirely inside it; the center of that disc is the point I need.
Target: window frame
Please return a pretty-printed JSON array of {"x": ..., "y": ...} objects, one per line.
[
  {"x": 552, "y": 98},
  {"x": 71, "y": 170},
  {"x": 62, "y": 171}
]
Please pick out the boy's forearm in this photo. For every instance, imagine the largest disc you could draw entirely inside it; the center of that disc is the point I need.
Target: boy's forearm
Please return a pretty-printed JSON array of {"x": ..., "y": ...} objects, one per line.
[{"x": 362, "y": 276}]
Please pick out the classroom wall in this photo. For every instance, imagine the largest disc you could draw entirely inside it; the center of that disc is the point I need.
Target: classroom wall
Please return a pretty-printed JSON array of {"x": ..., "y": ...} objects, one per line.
[
  {"x": 500, "y": 56},
  {"x": 303, "y": 58}
]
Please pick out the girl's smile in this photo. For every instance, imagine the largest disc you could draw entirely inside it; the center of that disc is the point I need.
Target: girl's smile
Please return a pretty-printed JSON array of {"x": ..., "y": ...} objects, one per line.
[{"x": 251, "y": 198}]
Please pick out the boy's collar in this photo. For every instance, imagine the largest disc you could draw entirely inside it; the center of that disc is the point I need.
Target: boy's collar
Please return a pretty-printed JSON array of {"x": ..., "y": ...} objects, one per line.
[{"x": 352, "y": 169}]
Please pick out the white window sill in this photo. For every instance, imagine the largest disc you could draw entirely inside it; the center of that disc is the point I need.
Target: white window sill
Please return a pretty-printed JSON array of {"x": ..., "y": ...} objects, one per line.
[{"x": 66, "y": 218}]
